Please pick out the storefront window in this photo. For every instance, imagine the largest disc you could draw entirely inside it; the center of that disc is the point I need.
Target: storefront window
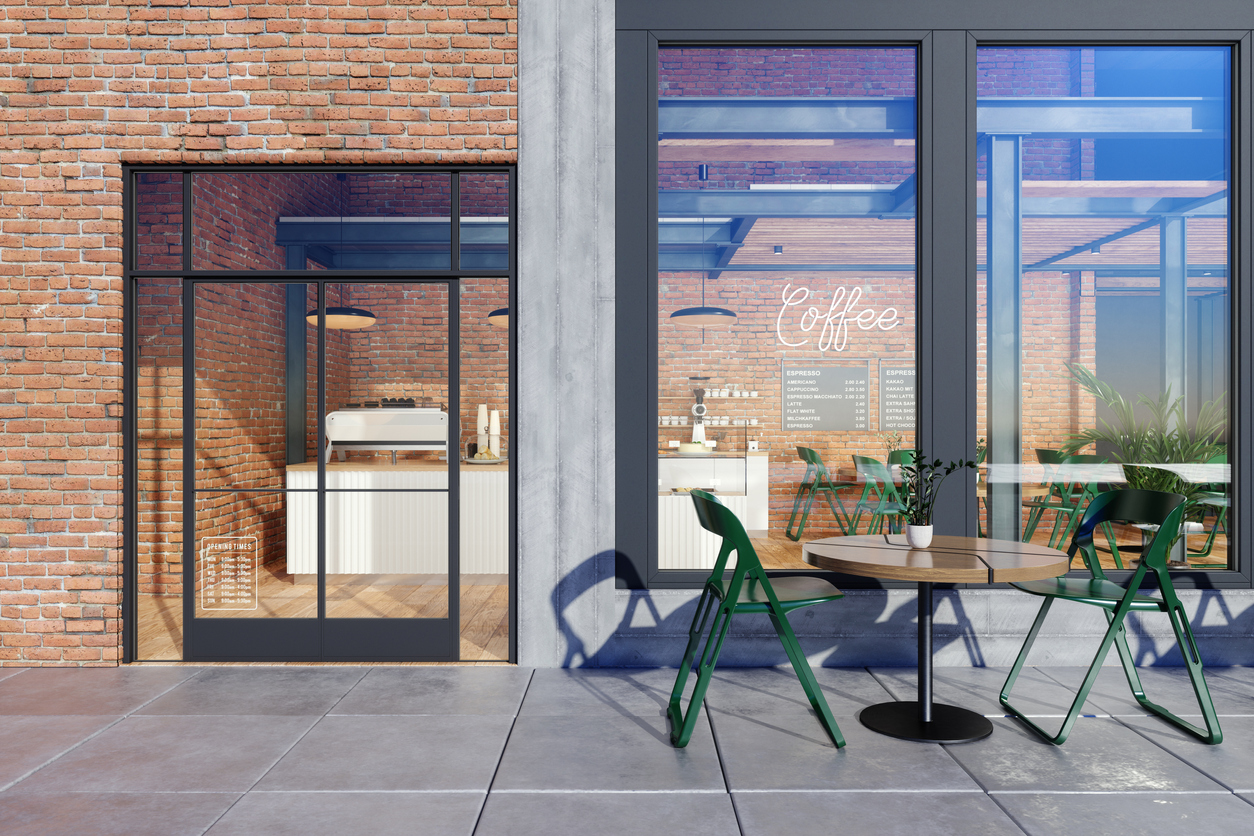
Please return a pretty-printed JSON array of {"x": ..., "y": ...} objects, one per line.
[
  {"x": 786, "y": 288},
  {"x": 1104, "y": 297}
]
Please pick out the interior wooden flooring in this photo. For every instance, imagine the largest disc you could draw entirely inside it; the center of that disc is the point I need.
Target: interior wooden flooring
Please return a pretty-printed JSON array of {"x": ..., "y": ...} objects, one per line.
[{"x": 484, "y": 610}]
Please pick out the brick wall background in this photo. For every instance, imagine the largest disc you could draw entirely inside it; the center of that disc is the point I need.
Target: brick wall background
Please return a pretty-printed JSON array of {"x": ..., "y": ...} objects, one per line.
[{"x": 85, "y": 88}]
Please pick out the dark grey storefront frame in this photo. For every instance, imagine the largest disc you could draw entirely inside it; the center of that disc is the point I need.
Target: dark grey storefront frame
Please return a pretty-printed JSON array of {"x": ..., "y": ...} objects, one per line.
[
  {"x": 947, "y": 36},
  {"x": 346, "y": 647}
]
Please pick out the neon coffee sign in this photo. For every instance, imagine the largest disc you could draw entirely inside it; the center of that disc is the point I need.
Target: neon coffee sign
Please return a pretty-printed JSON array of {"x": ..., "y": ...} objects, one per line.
[{"x": 836, "y": 321}]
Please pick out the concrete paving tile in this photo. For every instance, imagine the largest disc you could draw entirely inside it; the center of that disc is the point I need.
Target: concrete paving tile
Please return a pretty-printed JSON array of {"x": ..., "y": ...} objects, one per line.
[
  {"x": 28, "y": 742},
  {"x": 607, "y": 814},
  {"x": 1048, "y": 814},
  {"x": 259, "y": 691},
  {"x": 557, "y": 692},
  {"x": 5, "y": 673},
  {"x": 606, "y": 751},
  {"x": 1231, "y": 762},
  {"x": 1169, "y": 687},
  {"x": 792, "y": 752},
  {"x": 976, "y": 689},
  {"x": 1100, "y": 755},
  {"x": 63, "y": 691},
  {"x": 173, "y": 754},
  {"x": 778, "y": 690},
  {"x": 339, "y": 813},
  {"x": 912, "y": 813},
  {"x": 423, "y": 752},
  {"x": 442, "y": 690},
  {"x": 111, "y": 813}
]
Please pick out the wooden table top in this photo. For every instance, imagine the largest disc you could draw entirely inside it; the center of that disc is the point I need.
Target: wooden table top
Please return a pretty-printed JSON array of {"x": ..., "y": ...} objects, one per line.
[{"x": 946, "y": 560}]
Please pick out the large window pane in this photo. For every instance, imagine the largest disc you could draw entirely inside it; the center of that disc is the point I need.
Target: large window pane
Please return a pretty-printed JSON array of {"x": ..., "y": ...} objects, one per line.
[
  {"x": 787, "y": 203},
  {"x": 1104, "y": 296}
]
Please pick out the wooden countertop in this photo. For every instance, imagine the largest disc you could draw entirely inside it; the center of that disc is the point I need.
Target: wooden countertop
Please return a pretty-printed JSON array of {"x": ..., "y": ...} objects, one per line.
[
  {"x": 946, "y": 560},
  {"x": 427, "y": 466}
]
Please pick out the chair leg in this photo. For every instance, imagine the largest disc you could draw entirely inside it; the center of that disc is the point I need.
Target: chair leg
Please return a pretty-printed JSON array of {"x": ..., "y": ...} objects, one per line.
[
  {"x": 808, "y": 683},
  {"x": 841, "y": 520},
  {"x": 1029, "y": 528},
  {"x": 1109, "y": 531},
  {"x": 1193, "y": 663},
  {"x": 809, "y": 494},
  {"x": 683, "y": 723}
]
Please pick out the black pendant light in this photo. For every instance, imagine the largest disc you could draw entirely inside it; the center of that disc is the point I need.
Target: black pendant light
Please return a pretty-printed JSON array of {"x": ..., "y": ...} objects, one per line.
[
  {"x": 703, "y": 316},
  {"x": 343, "y": 318},
  {"x": 499, "y": 318}
]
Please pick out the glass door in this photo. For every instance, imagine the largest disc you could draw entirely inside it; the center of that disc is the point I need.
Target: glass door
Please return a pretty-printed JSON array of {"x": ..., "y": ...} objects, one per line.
[{"x": 324, "y": 496}]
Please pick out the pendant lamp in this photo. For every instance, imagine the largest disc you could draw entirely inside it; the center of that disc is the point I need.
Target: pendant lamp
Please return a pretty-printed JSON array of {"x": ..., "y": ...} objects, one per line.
[
  {"x": 703, "y": 316},
  {"x": 343, "y": 318},
  {"x": 499, "y": 318}
]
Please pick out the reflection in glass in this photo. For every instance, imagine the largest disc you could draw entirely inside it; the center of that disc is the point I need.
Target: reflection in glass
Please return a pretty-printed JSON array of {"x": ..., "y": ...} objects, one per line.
[
  {"x": 159, "y": 458},
  {"x": 786, "y": 195},
  {"x": 1103, "y": 296},
  {"x": 484, "y": 221},
  {"x": 159, "y": 221}
]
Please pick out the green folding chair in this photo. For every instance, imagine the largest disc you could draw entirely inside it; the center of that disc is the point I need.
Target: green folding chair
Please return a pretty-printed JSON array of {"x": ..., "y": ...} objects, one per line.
[
  {"x": 1165, "y": 510},
  {"x": 817, "y": 480},
  {"x": 1213, "y": 500},
  {"x": 879, "y": 497},
  {"x": 748, "y": 590}
]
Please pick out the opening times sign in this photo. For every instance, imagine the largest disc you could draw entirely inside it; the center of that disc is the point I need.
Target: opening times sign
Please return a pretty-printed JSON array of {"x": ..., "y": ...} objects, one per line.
[
  {"x": 228, "y": 571},
  {"x": 826, "y": 397}
]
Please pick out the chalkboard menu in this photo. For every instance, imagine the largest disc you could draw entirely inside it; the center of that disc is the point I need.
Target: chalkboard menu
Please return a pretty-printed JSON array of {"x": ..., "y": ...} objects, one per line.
[
  {"x": 228, "y": 573},
  {"x": 897, "y": 397},
  {"x": 825, "y": 397}
]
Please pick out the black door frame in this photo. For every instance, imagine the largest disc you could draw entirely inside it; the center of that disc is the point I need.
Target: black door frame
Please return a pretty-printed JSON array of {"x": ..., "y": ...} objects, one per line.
[{"x": 355, "y": 639}]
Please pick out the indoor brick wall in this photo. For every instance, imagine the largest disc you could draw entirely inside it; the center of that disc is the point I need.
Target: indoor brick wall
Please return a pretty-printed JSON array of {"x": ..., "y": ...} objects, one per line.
[{"x": 85, "y": 88}]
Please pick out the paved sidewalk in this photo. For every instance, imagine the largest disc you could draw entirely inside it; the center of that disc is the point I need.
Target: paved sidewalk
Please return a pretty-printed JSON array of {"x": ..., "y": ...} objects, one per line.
[{"x": 500, "y": 750}]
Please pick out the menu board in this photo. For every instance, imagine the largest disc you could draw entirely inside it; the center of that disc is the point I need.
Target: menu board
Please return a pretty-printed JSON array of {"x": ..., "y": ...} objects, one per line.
[
  {"x": 825, "y": 397},
  {"x": 228, "y": 573},
  {"x": 897, "y": 398}
]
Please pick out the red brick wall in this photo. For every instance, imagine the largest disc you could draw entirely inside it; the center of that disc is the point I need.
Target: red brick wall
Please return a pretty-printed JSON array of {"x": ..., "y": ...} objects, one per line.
[{"x": 86, "y": 88}]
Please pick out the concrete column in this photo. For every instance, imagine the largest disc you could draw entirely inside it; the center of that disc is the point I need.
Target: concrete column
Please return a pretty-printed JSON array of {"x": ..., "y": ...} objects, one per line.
[
  {"x": 565, "y": 446},
  {"x": 1173, "y": 257}
]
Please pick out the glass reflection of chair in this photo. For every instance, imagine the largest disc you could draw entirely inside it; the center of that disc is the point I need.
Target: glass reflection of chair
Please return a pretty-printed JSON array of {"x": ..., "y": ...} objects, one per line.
[
  {"x": 1153, "y": 508},
  {"x": 1214, "y": 499},
  {"x": 879, "y": 497},
  {"x": 1067, "y": 499},
  {"x": 748, "y": 590},
  {"x": 817, "y": 480}
]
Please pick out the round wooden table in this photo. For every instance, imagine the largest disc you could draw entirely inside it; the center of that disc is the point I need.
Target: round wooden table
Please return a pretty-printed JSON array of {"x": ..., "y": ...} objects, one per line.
[{"x": 946, "y": 560}]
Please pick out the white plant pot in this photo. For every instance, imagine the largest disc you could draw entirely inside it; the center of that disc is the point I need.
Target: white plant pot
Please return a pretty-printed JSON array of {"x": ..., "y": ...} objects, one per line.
[{"x": 918, "y": 536}]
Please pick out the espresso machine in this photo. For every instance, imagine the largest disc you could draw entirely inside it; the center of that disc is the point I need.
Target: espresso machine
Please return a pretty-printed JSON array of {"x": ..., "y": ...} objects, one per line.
[{"x": 699, "y": 410}]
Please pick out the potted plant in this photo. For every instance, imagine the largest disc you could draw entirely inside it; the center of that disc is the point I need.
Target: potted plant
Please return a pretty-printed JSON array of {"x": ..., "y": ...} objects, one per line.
[{"x": 921, "y": 482}]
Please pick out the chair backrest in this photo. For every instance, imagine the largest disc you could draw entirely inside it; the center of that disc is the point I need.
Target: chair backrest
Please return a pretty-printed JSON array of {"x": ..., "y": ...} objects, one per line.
[
  {"x": 717, "y": 518},
  {"x": 810, "y": 456},
  {"x": 877, "y": 476},
  {"x": 1165, "y": 510}
]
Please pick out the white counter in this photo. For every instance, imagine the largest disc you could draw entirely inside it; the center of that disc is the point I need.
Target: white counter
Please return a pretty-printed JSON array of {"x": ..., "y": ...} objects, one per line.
[
  {"x": 373, "y": 528},
  {"x": 740, "y": 482}
]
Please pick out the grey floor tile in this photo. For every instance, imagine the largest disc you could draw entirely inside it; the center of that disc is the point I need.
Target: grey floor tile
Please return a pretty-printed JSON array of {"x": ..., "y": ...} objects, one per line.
[
  {"x": 5, "y": 673},
  {"x": 173, "y": 754},
  {"x": 881, "y": 813},
  {"x": 778, "y": 690},
  {"x": 1231, "y": 762},
  {"x": 977, "y": 689},
  {"x": 65, "y": 691},
  {"x": 111, "y": 813},
  {"x": 442, "y": 690},
  {"x": 1101, "y": 755},
  {"x": 606, "y": 751},
  {"x": 259, "y": 691},
  {"x": 28, "y": 742},
  {"x": 340, "y": 813},
  {"x": 792, "y": 752},
  {"x": 1197, "y": 814},
  {"x": 608, "y": 814},
  {"x": 393, "y": 753},
  {"x": 557, "y": 692},
  {"x": 1169, "y": 687}
]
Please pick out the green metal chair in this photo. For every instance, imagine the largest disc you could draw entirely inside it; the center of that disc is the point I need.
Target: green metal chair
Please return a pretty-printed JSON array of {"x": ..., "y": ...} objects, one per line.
[
  {"x": 1166, "y": 510},
  {"x": 1067, "y": 499},
  {"x": 747, "y": 590},
  {"x": 817, "y": 480},
  {"x": 1215, "y": 500},
  {"x": 879, "y": 497}
]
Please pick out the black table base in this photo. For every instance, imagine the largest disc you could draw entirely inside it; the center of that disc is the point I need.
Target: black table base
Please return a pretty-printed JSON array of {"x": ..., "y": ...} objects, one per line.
[
  {"x": 949, "y": 723},
  {"x": 924, "y": 720}
]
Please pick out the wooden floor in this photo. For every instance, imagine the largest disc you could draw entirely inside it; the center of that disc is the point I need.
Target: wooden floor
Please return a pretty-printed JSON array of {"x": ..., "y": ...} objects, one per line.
[{"x": 484, "y": 611}]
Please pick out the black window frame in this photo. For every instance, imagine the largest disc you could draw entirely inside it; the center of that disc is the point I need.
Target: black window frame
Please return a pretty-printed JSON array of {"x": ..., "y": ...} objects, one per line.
[
  {"x": 450, "y": 276},
  {"x": 946, "y": 38}
]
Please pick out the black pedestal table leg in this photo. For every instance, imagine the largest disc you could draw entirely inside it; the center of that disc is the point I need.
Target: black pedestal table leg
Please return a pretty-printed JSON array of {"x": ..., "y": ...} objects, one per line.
[{"x": 925, "y": 720}]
